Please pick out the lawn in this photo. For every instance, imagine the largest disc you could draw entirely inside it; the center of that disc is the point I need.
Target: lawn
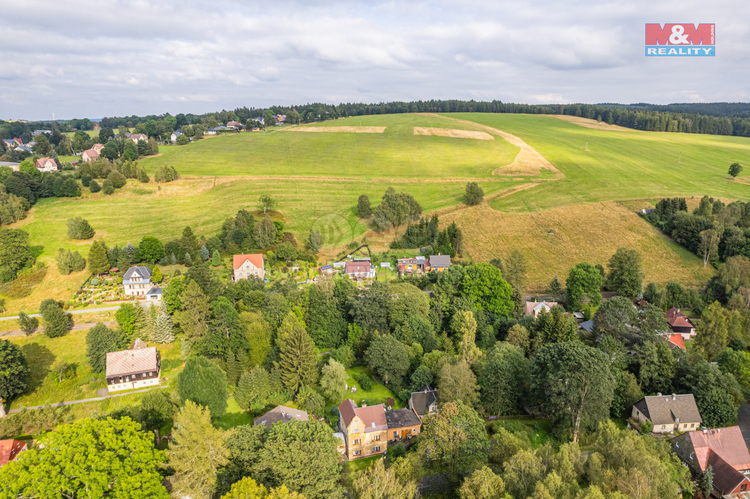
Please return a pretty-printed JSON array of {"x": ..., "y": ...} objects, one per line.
[
  {"x": 377, "y": 395},
  {"x": 234, "y": 416},
  {"x": 395, "y": 153},
  {"x": 43, "y": 353}
]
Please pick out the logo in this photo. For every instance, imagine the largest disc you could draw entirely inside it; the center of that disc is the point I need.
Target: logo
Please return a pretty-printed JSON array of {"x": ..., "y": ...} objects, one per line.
[{"x": 681, "y": 40}]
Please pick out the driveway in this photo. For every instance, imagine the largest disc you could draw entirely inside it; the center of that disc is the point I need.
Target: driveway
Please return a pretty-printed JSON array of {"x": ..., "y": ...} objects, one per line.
[{"x": 744, "y": 422}]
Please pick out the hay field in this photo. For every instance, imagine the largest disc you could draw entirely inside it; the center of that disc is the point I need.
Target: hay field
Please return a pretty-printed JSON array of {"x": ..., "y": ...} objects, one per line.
[
  {"x": 456, "y": 134},
  {"x": 619, "y": 166},
  {"x": 588, "y": 123},
  {"x": 336, "y": 129},
  {"x": 555, "y": 240},
  {"x": 395, "y": 153}
]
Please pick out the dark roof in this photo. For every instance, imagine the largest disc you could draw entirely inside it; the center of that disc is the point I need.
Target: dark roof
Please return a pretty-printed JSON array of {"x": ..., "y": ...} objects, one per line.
[
  {"x": 347, "y": 409},
  {"x": 440, "y": 261},
  {"x": 142, "y": 272},
  {"x": 400, "y": 418},
  {"x": 587, "y": 325},
  {"x": 155, "y": 290},
  {"x": 669, "y": 409},
  {"x": 423, "y": 399},
  {"x": 281, "y": 414},
  {"x": 726, "y": 478}
]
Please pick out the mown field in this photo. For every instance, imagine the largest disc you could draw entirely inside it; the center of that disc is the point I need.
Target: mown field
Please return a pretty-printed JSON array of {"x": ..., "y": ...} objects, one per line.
[
  {"x": 620, "y": 165},
  {"x": 395, "y": 153}
]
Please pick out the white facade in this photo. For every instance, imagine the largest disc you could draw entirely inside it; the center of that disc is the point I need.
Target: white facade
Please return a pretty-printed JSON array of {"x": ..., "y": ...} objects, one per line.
[
  {"x": 137, "y": 281},
  {"x": 131, "y": 383}
]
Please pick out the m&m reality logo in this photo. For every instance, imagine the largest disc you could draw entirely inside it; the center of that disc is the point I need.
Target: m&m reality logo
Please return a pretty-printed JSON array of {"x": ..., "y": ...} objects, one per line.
[{"x": 681, "y": 40}]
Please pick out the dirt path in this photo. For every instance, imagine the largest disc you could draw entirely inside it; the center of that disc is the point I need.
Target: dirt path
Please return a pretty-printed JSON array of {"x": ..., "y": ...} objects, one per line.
[
  {"x": 528, "y": 161},
  {"x": 84, "y": 401}
]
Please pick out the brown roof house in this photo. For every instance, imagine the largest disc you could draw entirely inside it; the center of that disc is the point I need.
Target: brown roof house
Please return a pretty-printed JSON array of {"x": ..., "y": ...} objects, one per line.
[
  {"x": 402, "y": 423},
  {"x": 280, "y": 414},
  {"x": 360, "y": 269},
  {"x": 668, "y": 413},
  {"x": 244, "y": 266},
  {"x": 680, "y": 323},
  {"x": 535, "y": 308},
  {"x": 128, "y": 369},
  {"x": 725, "y": 451},
  {"x": 365, "y": 429},
  {"x": 46, "y": 165},
  {"x": 10, "y": 449},
  {"x": 138, "y": 136},
  {"x": 424, "y": 401},
  {"x": 89, "y": 155}
]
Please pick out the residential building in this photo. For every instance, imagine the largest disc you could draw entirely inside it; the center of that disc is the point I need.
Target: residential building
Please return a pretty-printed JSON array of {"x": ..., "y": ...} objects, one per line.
[
  {"x": 128, "y": 369},
  {"x": 326, "y": 270},
  {"x": 439, "y": 263},
  {"x": 89, "y": 155},
  {"x": 680, "y": 323},
  {"x": 411, "y": 265},
  {"x": 365, "y": 429},
  {"x": 39, "y": 132},
  {"x": 97, "y": 147},
  {"x": 46, "y": 165},
  {"x": 154, "y": 294},
  {"x": 211, "y": 131},
  {"x": 533, "y": 308},
  {"x": 360, "y": 269},
  {"x": 175, "y": 134},
  {"x": 675, "y": 341},
  {"x": 24, "y": 149},
  {"x": 10, "y": 164},
  {"x": 244, "y": 266},
  {"x": 97, "y": 125},
  {"x": 668, "y": 413},
  {"x": 723, "y": 449},
  {"x": 341, "y": 447},
  {"x": 138, "y": 136},
  {"x": 137, "y": 281},
  {"x": 424, "y": 401},
  {"x": 402, "y": 423},
  {"x": 10, "y": 449},
  {"x": 10, "y": 143},
  {"x": 280, "y": 414},
  {"x": 587, "y": 326},
  {"x": 235, "y": 124}
]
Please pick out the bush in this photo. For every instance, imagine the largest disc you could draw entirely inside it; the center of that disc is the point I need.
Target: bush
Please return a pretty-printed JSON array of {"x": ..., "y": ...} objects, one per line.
[
  {"x": 118, "y": 179},
  {"x": 107, "y": 187},
  {"x": 94, "y": 186},
  {"x": 79, "y": 228},
  {"x": 182, "y": 140},
  {"x": 365, "y": 382},
  {"x": 86, "y": 180},
  {"x": 474, "y": 194}
]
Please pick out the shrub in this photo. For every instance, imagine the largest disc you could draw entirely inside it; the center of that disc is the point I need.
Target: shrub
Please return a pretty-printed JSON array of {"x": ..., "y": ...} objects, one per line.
[
  {"x": 118, "y": 179},
  {"x": 94, "y": 186},
  {"x": 79, "y": 228},
  {"x": 474, "y": 194},
  {"x": 107, "y": 187},
  {"x": 365, "y": 382}
]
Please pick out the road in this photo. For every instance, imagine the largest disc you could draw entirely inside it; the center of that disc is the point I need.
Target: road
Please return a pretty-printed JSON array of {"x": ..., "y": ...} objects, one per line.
[
  {"x": 82, "y": 311},
  {"x": 83, "y": 401}
]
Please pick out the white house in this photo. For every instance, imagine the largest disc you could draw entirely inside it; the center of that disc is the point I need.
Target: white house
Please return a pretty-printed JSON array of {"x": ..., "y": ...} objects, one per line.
[
  {"x": 244, "y": 266},
  {"x": 46, "y": 165},
  {"x": 138, "y": 136},
  {"x": 89, "y": 155},
  {"x": 129, "y": 369},
  {"x": 137, "y": 281}
]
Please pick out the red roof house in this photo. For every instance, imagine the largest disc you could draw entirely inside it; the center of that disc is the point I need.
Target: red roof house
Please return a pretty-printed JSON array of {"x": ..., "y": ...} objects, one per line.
[
  {"x": 9, "y": 449},
  {"x": 675, "y": 341},
  {"x": 244, "y": 266},
  {"x": 680, "y": 323}
]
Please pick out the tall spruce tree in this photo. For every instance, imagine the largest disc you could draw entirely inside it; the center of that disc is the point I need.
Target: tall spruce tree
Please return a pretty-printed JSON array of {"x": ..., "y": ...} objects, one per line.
[
  {"x": 233, "y": 370},
  {"x": 98, "y": 261},
  {"x": 253, "y": 389},
  {"x": 297, "y": 363},
  {"x": 205, "y": 255},
  {"x": 164, "y": 329},
  {"x": 195, "y": 313}
]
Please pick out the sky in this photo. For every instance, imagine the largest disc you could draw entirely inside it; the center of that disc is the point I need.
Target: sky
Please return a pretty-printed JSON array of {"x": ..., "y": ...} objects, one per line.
[{"x": 96, "y": 58}]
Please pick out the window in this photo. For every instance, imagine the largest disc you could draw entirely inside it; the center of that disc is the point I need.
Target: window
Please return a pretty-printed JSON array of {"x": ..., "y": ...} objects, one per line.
[
  {"x": 357, "y": 453},
  {"x": 743, "y": 488},
  {"x": 376, "y": 449},
  {"x": 377, "y": 437},
  {"x": 357, "y": 441},
  {"x": 395, "y": 434}
]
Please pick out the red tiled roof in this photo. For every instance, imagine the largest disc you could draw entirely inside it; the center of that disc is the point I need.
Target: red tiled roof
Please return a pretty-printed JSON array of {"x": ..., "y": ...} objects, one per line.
[
  {"x": 39, "y": 163},
  {"x": 673, "y": 312},
  {"x": 725, "y": 442},
  {"x": 680, "y": 321},
  {"x": 348, "y": 411},
  {"x": 256, "y": 259},
  {"x": 358, "y": 267},
  {"x": 726, "y": 477},
  {"x": 676, "y": 340},
  {"x": 9, "y": 449},
  {"x": 372, "y": 416},
  {"x": 132, "y": 361}
]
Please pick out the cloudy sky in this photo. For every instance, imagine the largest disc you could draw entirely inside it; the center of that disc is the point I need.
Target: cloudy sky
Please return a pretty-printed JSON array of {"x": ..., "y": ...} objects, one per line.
[{"x": 95, "y": 58}]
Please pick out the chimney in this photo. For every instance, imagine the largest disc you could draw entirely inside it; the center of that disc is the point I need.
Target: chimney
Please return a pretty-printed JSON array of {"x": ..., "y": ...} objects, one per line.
[
  {"x": 674, "y": 396},
  {"x": 705, "y": 431},
  {"x": 658, "y": 394}
]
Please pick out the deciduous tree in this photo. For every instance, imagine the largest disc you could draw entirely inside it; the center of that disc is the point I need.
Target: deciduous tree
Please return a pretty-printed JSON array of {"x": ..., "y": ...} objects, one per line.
[
  {"x": 484, "y": 285},
  {"x": 79, "y": 228},
  {"x": 14, "y": 371},
  {"x": 474, "y": 194},
  {"x": 388, "y": 358},
  {"x": 363, "y": 206},
  {"x": 625, "y": 273},
  {"x": 204, "y": 383},
  {"x": 333, "y": 381},
  {"x": 377, "y": 482},
  {"x": 458, "y": 382},
  {"x": 584, "y": 279},
  {"x": 101, "y": 340},
  {"x": 27, "y": 324}
]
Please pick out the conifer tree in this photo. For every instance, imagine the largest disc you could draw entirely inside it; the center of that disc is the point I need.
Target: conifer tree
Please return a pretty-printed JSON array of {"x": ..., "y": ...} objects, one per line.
[
  {"x": 233, "y": 370},
  {"x": 98, "y": 261},
  {"x": 188, "y": 260},
  {"x": 243, "y": 362},
  {"x": 163, "y": 330},
  {"x": 205, "y": 255},
  {"x": 216, "y": 259},
  {"x": 253, "y": 389},
  {"x": 129, "y": 251},
  {"x": 149, "y": 333},
  {"x": 297, "y": 362},
  {"x": 140, "y": 321},
  {"x": 174, "y": 259}
]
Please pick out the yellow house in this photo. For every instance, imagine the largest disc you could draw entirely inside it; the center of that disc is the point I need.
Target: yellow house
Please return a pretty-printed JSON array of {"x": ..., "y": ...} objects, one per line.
[{"x": 365, "y": 429}]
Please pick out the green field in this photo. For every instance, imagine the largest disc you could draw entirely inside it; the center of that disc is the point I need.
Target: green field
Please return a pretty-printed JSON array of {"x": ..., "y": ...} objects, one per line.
[
  {"x": 620, "y": 165},
  {"x": 395, "y": 153}
]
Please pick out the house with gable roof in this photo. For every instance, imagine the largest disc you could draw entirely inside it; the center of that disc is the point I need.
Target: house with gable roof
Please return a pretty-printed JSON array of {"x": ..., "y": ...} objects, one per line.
[
  {"x": 137, "y": 282},
  {"x": 668, "y": 413},
  {"x": 439, "y": 263},
  {"x": 89, "y": 155},
  {"x": 244, "y": 266},
  {"x": 10, "y": 449},
  {"x": 280, "y": 414},
  {"x": 46, "y": 165},
  {"x": 365, "y": 429},
  {"x": 128, "y": 369},
  {"x": 680, "y": 323},
  {"x": 424, "y": 401},
  {"x": 138, "y": 136},
  {"x": 533, "y": 308},
  {"x": 723, "y": 449},
  {"x": 360, "y": 269}
]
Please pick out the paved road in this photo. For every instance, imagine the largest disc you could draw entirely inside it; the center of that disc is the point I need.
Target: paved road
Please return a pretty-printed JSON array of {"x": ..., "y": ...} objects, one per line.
[
  {"x": 19, "y": 332},
  {"x": 744, "y": 422},
  {"x": 83, "y": 401},
  {"x": 82, "y": 311}
]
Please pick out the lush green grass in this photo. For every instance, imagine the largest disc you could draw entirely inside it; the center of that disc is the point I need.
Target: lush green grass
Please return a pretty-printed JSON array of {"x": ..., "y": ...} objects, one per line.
[
  {"x": 396, "y": 153},
  {"x": 234, "y": 416},
  {"x": 619, "y": 165},
  {"x": 377, "y": 395}
]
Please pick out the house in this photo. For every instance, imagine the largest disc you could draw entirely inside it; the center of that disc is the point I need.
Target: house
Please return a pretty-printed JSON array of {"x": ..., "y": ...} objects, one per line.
[
  {"x": 339, "y": 265},
  {"x": 360, "y": 269},
  {"x": 439, "y": 263},
  {"x": 365, "y": 429},
  {"x": 10, "y": 143},
  {"x": 10, "y": 449},
  {"x": 245, "y": 266},
  {"x": 326, "y": 270},
  {"x": 280, "y": 414},
  {"x": 154, "y": 294},
  {"x": 24, "y": 149},
  {"x": 39, "y": 132},
  {"x": 13, "y": 166},
  {"x": 724, "y": 450},
  {"x": 175, "y": 134},
  {"x": 410, "y": 265},
  {"x": 587, "y": 326},
  {"x": 46, "y": 165},
  {"x": 424, "y": 401},
  {"x": 128, "y": 369},
  {"x": 235, "y": 124},
  {"x": 668, "y": 413},
  {"x": 533, "y": 308},
  {"x": 137, "y": 281},
  {"x": 680, "y": 323},
  {"x": 211, "y": 131},
  {"x": 97, "y": 125},
  {"x": 89, "y": 155},
  {"x": 97, "y": 147},
  {"x": 138, "y": 136},
  {"x": 675, "y": 341},
  {"x": 402, "y": 423},
  {"x": 18, "y": 142}
]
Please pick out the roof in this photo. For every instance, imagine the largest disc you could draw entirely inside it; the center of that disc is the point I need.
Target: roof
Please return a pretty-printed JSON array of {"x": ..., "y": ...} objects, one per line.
[
  {"x": 726, "y": 442},
  {"x": 138, "y": 344},
  {"x": 532, "y": 306},
  {"x": 155, "y": 290},
  {"x": 256, "y": 259},
  {"x": 372, "y": 416},
  {"x": 280, "y": 414},
  {"x": 326, "y": 267},
  {"x": 669, "y": 409},
  {"x": 673, "y": 312},
  {"x": 680, "y": 321},
  {"x": 91, "y": 153},
  {"x": 132, "y": 361},
  {"x": 137, "y": 271},
  {"x": 440, "y": 261},
  {"x": 725, "y": 477},
  {"x": 358, "y": 267},
  {"x": 400, "y": 418},
  {"x": 138, "y": 136},
  {"x": 587, "y": 325},
  {"x": 423, "y": 399},
  {"x": 9, "y": 449},
  {"x": 675, "y": 340},
  {"x": 39, "y": 163}
]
